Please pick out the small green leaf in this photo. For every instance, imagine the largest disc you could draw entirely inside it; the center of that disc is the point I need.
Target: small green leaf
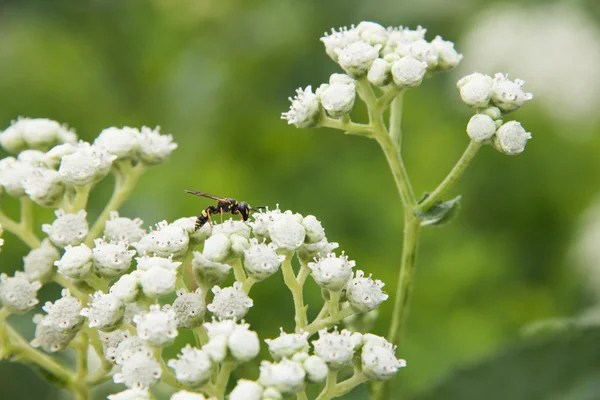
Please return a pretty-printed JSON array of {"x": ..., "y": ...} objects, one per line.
[{"x": 440, "y": 214}]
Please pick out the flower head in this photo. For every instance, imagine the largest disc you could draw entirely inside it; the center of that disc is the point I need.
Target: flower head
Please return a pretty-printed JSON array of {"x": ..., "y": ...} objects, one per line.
[
  {"x": 88, "y": 164},
  {"x": 111, "y": 259},
  {"x": 35, "y": 133},
  {"x": 76, "y": 262},
  {"x": 337, "y": 98},
  {"x": 481, "y": 128},
  {"x": 104, "y": 312},
  {"x": 154, "y": 148},
  {"x": 356, "y": 58},
  {"x": 67, "y": 229},
  {"x": 286, "y": 376},
  {"x": 305, "y": 110},
  {"x": 38, "y": 264},
  {"x": 17, "y": 293},
  {"x": 335, "y": 348},
  {"x": 123, "y": 229},
  {"x": 49, "y": 335},
  {"x": 120, "y": 142},
  {"x": 246, "y": 390},
  {"x": 189, "y": 309},
  {"x": 408, "y": 71},
  {"x": 508, "y": 95},
  {"x": 337, "y": 40},
  {"x": 158, "y": 328},
  {"x": 287, "y": 344},
  {"x": 65, "y": 311},
  {"x": 261, "y": 260},
  {"x": 365, "y": 294},
  {"x": 511, "y": 138},
  {"x": 230, "y": 302},
  {"x": 331, "y": 272},
  {"x": 139, "y": 371},
  {"x": 378, "y": 360},
  {"x": 192, "y": 367},
  {"x": 475, "y": 90}
]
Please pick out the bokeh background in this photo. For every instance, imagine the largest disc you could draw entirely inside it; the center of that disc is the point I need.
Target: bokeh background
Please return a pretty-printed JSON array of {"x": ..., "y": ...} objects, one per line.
[{"x": 216, "y": 74}]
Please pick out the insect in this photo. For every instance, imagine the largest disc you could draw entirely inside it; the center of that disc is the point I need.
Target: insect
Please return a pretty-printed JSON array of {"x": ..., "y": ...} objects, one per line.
[{"x": 224, "y": 205}]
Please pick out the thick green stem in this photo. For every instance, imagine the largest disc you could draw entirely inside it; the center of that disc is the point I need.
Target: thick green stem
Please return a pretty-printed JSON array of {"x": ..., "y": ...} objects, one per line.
[
  {"x": 20, "y": 230},
  {"x": 227, "y": 368},
  {"x": 347, "y": 126},
  {"x": 334, "y": 302},
  {"x": 396, "y": 164},
  {"x": 323, "y": 323},
  {"x": 345, "y": 386},
  {"x": 451, "y": 178},
  {"x": 81, "y": 197},
  {"x": 296, "y": 289},
  {"x": 329, "y": 389},
  {"x": 238, "y": 270},
  {"x": 396, "y": 119}
]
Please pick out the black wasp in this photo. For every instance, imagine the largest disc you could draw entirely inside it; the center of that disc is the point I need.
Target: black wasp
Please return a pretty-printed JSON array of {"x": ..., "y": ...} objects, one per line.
[{"x": 223, "y": 206}]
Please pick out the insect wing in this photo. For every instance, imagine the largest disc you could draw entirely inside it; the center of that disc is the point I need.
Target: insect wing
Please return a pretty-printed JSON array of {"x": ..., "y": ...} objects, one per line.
[{"x": 209, "y": 196}]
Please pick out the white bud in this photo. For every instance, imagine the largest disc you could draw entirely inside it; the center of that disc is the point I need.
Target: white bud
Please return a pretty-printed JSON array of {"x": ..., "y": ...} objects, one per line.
[
  {"x": 511, "y": 138},
  {"x": 167, "y": 240},
  {"x": 146, "y": 262},
  {"x": 216, "y": 348},
  {"x": 262, "y": 221},
  {"x": 17, "y": 294},
  {"x": 314, "y": 229},
  {"x": 192, "y": 367},
  {"x": 231, "y": 227},
  {"x": 111, "y": 341},
  {"x": 38, "y": 264},
  {"x": 319, "y": 249},
  {"x": 316, "y": 369},
  {"x": 217, "y": 248},
  {"x": 208, "y": 273},
  {"x": 356, "y": 58},
  {"x": 35, "y": 133},
  {"x": 104, "y": 312},
  {"x": 230, "y": 302},
  {"x": 285, "y": 376},
  {"x": 508, "y": 95},
  {"x": 378, "y": 360},
  {"x": 12, "y": 140},
  {"x": 261, "y": 260},
  {"x": 158, "y": 282},
  {"x": 475, "y": 90},
  {"x": 129, "y": 347},
  {"x": 223, "y": 328},
  {"x": 481, "y": 128},
  {"x": 305, "y": 110},
  {"x": 121, "y": 142},
  {"x": 123, "y": 229},
  {"x": 287, "y": 233},
  {"x": 372, "y": 33},
  {"x": 246, "y": 390},
  {"x": 76, "y": 262},
  {"x": 239, "y": 244},
  {"x": 272, "y": 393},
  {"x": 365, "y": 294},
  {"x": 88, "y": 164},
  {"x": 336, "y": 40},
  {"x": 338, "y": 98},
  {"x": 448, "y": 57},
  {"x": 34, "y": 157},
  {"x": 133, "y": 309},
  {"x": 13, "y": 174},
  {"x": 243, "y": 344},
  {"x": 127, "y": 288},
  {"x": 421, "y": 50},
  {"x": 67, "y": 229},
  {"x": 189, "y": 225},
  {"x": 44, "y": 186},
  {"x": 189, "y": 309},
  {"x": 65, "y": 311},
  {"x": 331, "y": 272},
  {"x": 158, "y": 328},
  {"x": 408, "y": 72},
  {"x": 183, "y": 395},
  {"x": 111, "y": 259},
  {"x": 49, "y": 335},
  {"x": 287, "y": 344},
  {"x": 55, "y": 154},
  {"x": 335, "y": 348},
  {"x": 380, "y": 73},
  {"x": 131, "y": 394},
  {"x": 400, "y": 35},
  {"x": 155, "y": 148},
  {"x": 139, "y": 371}
]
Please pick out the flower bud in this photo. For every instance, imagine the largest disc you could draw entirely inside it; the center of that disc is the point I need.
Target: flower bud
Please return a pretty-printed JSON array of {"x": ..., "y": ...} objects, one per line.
[
  {"x": 153, "y": 147},
  {"x": 189, "y": 309},
  {"x": 35, "y": 133},
  {"x": 286, "y": 376},
  {"x": 511, "y": 138},
  {"x": 128, "y": 347},
  {"x": 287, "y": 233},
  {"x": 336, "y": 40},
  {"x": 230, "y": 302},
  {"x": 287, "y": 344},
  {"x": 272, "y": 393},
  {"x": 120, "y": 142},
  {"x": 12, "y": 140},
  {"x": 408, "y": 72},
  {"x": 448, "y": 57},
  {"x": 192, "y": 367},
  {"x": 231, "y": 227},
  {"x": 365, "y": 294},
  {"x": 356, "y": 58},
  {"x": 481, "y": 128},
  {"x": 335, "y": 348},
  {"x": 246, "y": 390},
  {"x": 420, "y": 50},
  {"x": 127, "y": 288},
  {"x": 316, "y": 369},
  {"x": 13, "y": 174},
  {"x": 49, "y": 336},
  {"x": 111, "y": 259},
  {"x": 111, "y": 341},
  {"x": 44, "y": 186},
  {"x": 508, "y": 95},
  {"x": 131, "y": 394},
  {"x": 158, "y": 282},
  {"x": 104, "y": 312},
  {"x": 305, "y": 110},
  {"x": 158, "y": 328},
  {"x": 88, "y": 164},
  {"x": 217, "y": 248},
  {"x": 189, "y": 225},
  {"x": 54, "y": 156},
  {"x": 372, "y": 33},
  {"x": 243, "y": 344},
  {"x": 17, "y": 294},
  {"x": 208, "y": 273},
  {"x": 183, "y": 395},
  {"x": 380, "y": 73},
  {"x": 123, "y": 229},
  {"x": 216, "y": 348},
  {"x": 320, "y": 249},
  {"x": 378, "y": 360},
  {"x": 167, "y": 240},
  {"x": 67, "y": 229},
  {"x": 140, "y": 371},
  {"x": 239, "y": 244},
  {"x": 38, "y": 264},
  {"x": 65, "y": 312},
  {"x": 331, "y": 272},
  {"x": 146, "y": 262},
  {"x": 76, "y": 262},
  {"x": 338, "y": 98},
  {"x": 341, "y": 78},
  {"x": 262, "y": 221},
  {"x": 261, "y": 260},
  {"x": 314, "y": 229},
  {"x": 475, "y": 90}
]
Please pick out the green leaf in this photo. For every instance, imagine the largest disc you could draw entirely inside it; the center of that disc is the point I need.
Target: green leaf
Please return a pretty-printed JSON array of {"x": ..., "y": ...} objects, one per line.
[
  {"x": 563, "y": 366},
  {"x": 440, "y": 214}
]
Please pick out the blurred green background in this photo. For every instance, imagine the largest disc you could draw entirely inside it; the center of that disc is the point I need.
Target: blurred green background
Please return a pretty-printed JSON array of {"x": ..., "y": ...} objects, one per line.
[{"x": 217, "y": 74}]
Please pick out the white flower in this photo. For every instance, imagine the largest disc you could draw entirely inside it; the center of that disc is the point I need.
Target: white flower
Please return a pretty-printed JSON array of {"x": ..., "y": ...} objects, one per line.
[
  {"x": 167, "y": 240},
  {"x": 400, "y": 35},
  {"x": 131, "y": 394},
  {"x": 262, "y": 221},
  {"x": 54, "y": 155},
  {"x": 448, "y": 57},
  {"x": 314, "y": 229},
  {"x": 146, "y": 262},
  {"x": 243, "y": 344},
  {"x": 158, "y": 328},
  {"x": 481, "y": 128},
  {"x": 88, "y": 164},
  {"x": 305, "y": 110},
  {"x": 508, "y": 95},
  {"x": 123, "y": 229},
  {"x": 121, "y": 142},
  {"x": 183, "y": 395},
  {"x": 372, "y": 33},
  {"x": 316, "y": 369},
  {"x": 133, "y": 309},
  {"x": 44, "y": 186},
  {"x": 357, "y": 57},
  {"x": 380, "y": 72},
  {"x": 511, "y": 138},
  {"x": 239, "y": 244},
  {"x": 189, "y": 309},
  {"x": 34, "y": 157},
  {"x": 129, "y": 347},
  {"x": 231, "y": 227},
  {"x": 17, "y": 294},
  {"x": 217, "y": 248},
  {"x": 271, "y": 393},
  {"x": 65, "y": 311},
  {"x": 11, "y": 139},
  {"x": 335, "y": 348},
  {"x": 208, "y": 273},
  {"x": 230, "y": 302},
  {"x": 104, "y": 312},
  {"x": 224, "y": 328},
  {"x": 139, "y": 371},
  {"x": 154, "y": 148},
  {"x": 365, "y": 294},
  {"x": 111, "y": 259},
  {"x": 337, "y": 40},
  {"x": 38, "y": 264},
  {"x": 261, "y": 260},
  {"x": 189, "y": 225},
  {"x": 192, "y": 367},
  {"x": 331, "y": 272},
  {"x": 475, "y": 89},
  {"x": 338, "y": 98},
  {"x": 421, "y": 50},
  {"x": 13, "y": 174},
  {"x": 158, "y": 282},
  {"x": 246, "y": 390},
  {"x": 49, "y": 335},
  {"x": 408, "y": 72},
  {"x": 127, "y": 288},
  {"x": 285, "y": 376},
  {"x": 341, "y": 78},
  {"x": 216, "y": 348},
  {"x": 67, "y": 229},
  {"x": 286, "y": 232},
  {"x": 76, "y": 262},
  {"x": 378, "y": 360},
  {"x": 287, "y": 344},
  {"x": 35, "y": 133},
  {"x": 319, "y": 249},
  {"x": 111, "y": 341}
]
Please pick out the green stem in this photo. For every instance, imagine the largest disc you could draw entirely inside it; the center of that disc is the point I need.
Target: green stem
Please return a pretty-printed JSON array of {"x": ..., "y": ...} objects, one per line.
[
  {"x": 319, "y": 324},
  {"x": 349, "y": 127},
  {"x": 238, "y": 270},
  {"x": 451, "y": 178},
  {"x": 250, "y": 281},
  {"x": 334, "y": 302},
  {"x": 19, "y": 230},
  {"x": 75, "y": 291},
  {"x": 167, "y": 376},
  {"x": 82, "y": 194},
  {"x": 345, "y": 386},
  {"x": 396, "y": 119},
  {"x": 329, "y": 389},
  {"x": 396, "y": 164},
  {"x": 296, "y": 289},
  {"x": 223, "y": 378},
  {"x": 301, "y": 395},
  {"x": 26, "y": 213}
]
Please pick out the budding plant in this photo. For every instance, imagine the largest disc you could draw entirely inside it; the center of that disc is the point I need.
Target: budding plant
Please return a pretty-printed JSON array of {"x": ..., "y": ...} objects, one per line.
[{"x": 128, "y": 291}]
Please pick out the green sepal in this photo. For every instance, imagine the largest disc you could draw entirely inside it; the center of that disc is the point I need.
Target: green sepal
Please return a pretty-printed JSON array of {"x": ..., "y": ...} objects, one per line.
[{"x": 440, "y": 214}]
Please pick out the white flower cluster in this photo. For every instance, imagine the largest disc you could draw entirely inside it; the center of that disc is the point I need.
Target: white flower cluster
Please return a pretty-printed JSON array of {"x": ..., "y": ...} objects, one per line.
[
  {"x": 393, "y": 57},
  {"x": 493, "y": 97}
]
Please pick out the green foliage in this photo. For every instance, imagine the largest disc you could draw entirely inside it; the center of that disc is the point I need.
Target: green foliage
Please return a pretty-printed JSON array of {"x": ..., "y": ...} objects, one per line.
[{"x": 441, "y": 213}]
